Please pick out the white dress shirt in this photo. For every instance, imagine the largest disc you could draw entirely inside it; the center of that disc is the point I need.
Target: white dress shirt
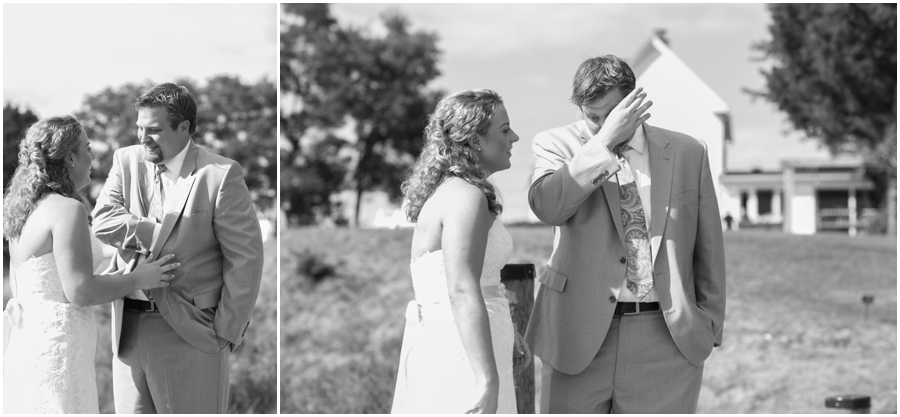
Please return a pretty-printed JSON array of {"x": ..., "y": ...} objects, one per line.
[{"x": 637, "y": 153}]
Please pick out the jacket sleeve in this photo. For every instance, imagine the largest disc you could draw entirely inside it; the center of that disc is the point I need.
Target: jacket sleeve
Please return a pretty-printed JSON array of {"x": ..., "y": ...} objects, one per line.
[
  {"x": 565, "y": 176},
  {"x": 709, "y": 254},
  {"x": 237, "y": 230},
  {"x": 113, "y": 223}
]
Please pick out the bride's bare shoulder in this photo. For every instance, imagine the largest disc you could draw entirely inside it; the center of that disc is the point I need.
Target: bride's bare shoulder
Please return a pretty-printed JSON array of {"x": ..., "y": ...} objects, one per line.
[
  {"x": 455, "y": 196},
  {"x": 55, "y": 207}
]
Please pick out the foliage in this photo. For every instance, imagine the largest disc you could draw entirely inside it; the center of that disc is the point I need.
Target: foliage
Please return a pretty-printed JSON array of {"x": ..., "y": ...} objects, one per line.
[
  {"x": 234, "y": 119},
  {"x": 834, "y": 74},
  {"x": 794, "y": 327},
  {"x": 15, "y": 123},
  {"x": 254, "y": 364},
  {"x": 343, "y": 77}
]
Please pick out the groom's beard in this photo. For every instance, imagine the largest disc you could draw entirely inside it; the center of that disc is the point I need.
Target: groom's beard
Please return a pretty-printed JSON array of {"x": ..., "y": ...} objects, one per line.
[{"x": 153, "y": 152}]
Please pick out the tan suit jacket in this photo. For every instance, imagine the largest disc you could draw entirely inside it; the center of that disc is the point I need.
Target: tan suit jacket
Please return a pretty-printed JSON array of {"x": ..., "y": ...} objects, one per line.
[
  {"x": 576, "y": 192},
  {"x": 212, "y": 229}
]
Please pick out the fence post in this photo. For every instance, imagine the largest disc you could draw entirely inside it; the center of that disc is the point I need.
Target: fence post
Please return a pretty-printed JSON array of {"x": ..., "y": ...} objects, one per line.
[{"x": 519, "y": 282}]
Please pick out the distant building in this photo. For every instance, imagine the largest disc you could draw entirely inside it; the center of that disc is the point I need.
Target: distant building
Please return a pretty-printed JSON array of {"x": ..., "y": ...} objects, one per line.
[{"x": 805, "y": 197}]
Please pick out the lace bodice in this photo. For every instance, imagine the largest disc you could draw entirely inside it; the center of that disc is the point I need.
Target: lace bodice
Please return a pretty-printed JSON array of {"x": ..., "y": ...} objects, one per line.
[
  {"x": 48, "y": 363},
  {"x": 39, "y": 275},
  {"x": 430, "y": 281}
]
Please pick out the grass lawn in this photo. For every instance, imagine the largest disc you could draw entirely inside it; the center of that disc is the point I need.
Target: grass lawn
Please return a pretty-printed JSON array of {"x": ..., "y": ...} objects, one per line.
[
  {"x": 253, "y": 364},
  {"x": 794, "y": 329}
]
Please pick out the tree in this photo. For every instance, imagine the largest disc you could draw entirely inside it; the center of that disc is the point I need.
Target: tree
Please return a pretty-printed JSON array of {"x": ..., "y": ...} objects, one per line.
[
  {"x": 15, "y": 123},
  {"x": 374, "y": 85},
  {"x": 234, "y": 119},
  {"x": 834, "y": 74}
]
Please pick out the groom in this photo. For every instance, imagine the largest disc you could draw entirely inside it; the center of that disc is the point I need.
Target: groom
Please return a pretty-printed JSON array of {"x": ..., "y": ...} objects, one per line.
[
  {"x": 172, "y": 345},
  {"x": 633, "y": 297}
]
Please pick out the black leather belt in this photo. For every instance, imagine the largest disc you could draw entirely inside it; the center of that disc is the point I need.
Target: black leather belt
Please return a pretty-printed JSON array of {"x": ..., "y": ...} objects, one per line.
[
  {"x": 140, "y": 305},
  {"x": 630, "y": 309}
]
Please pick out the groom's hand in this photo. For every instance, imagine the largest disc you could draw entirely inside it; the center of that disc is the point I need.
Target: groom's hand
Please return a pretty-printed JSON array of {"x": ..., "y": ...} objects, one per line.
[{"x": 624, "y": 119}]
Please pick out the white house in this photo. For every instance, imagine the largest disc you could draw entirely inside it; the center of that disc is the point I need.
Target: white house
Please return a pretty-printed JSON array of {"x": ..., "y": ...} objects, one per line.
[{"x": 805, "y": 197}]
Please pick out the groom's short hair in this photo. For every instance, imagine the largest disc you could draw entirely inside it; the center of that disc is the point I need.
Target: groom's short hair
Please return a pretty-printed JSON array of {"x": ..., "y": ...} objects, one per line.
[
  {"x": 177, "y": 100},
  {"x": 598, "y": 76}
]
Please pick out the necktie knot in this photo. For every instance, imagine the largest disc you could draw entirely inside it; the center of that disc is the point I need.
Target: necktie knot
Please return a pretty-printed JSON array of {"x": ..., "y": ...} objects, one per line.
[{"x": 159, "y": 170}]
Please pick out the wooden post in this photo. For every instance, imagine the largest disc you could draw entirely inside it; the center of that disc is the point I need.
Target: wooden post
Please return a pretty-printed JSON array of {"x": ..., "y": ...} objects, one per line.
[{"x": 519, "y": 282}]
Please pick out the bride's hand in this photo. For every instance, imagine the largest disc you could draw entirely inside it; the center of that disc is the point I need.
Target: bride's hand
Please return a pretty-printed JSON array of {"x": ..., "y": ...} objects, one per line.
[
  {"x": 521, "y": 354},
  {"x": 488, "y": 394},
  {"x": 154, "y": 274}
]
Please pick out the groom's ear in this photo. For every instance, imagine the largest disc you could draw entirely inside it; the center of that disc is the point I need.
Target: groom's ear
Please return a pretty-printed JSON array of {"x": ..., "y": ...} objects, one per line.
[{"x": 184, "y": 126}]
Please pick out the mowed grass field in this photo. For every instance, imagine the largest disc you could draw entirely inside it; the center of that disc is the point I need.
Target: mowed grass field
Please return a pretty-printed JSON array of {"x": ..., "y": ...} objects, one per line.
[
  {"x": 253, "y": 364},
  {"x": 794, "y": 331}
]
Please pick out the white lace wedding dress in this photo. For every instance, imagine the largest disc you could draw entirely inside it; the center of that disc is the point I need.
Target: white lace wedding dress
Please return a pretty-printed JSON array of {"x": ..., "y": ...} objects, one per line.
[
  {"x": 48, "y": 364},
  {"x": 435, "y": 375}
]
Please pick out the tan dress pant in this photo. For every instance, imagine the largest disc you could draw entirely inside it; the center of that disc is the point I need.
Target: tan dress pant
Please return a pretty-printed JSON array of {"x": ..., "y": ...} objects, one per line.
[
  {"x": 156, "y": 371},
  {"x": 638, "y": 370}
]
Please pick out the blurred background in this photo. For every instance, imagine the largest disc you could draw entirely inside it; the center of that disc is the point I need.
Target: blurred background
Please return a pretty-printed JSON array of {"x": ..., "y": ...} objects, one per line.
[
  {"x": 93, "y": 61},
  {"x": 797, "y": 104}
]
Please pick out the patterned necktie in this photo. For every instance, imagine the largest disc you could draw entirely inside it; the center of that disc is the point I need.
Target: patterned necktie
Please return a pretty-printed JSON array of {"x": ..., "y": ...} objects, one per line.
[
  {"x": 637, "y": 242},
  {"x": 156, "y": 211}
]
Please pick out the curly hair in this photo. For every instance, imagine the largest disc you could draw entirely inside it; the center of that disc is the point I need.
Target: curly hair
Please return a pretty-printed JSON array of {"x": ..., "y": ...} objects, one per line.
[
  {"x": 597, "y": 76},
  {"x": 177, "y": 100},
  {"x": 42, "y": 170},
  {"x": 456, "y": 120}
]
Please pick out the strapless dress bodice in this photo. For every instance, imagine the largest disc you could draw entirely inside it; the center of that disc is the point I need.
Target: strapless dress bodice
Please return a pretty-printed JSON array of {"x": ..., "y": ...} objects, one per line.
[{"x": 430, "y": 280}]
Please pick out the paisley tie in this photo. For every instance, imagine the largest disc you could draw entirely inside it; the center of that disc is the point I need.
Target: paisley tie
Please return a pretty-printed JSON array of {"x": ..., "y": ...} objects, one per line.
[
  {"x": 156, "y": 211},
  {"x": 639, "y": 273}
]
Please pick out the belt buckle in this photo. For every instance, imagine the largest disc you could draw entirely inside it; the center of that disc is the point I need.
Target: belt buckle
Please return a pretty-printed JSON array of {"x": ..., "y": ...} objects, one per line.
[
  {"x": 637, "y": 311},
  {"x": 152, "y": 306}
]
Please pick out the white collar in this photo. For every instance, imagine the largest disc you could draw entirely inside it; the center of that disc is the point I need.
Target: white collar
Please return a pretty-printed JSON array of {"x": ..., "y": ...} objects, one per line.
[
  {"x": 174, "y": 164},
  {"x": 638, "y": 142}
]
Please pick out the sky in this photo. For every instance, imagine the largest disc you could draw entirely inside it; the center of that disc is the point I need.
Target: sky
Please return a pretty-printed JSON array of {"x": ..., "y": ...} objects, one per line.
[
  {"x": 55, "y": 54},
  {"x": 529, "y": 52}
]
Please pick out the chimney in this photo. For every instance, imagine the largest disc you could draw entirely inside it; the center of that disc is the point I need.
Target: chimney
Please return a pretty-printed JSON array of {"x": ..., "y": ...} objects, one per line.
[{"x": 661, "y": 34}]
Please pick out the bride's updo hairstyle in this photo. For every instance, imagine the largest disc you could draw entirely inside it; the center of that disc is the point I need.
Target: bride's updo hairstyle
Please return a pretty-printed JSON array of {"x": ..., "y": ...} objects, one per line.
[
  {"x": 42, "y": 170},
  {"x": 456, "y": 121}
]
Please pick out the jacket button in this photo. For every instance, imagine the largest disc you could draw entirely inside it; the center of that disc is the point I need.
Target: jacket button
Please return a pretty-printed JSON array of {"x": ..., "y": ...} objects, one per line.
[
  {"x": 622, "y": 260},
  {"x": 612, "y": 298}
]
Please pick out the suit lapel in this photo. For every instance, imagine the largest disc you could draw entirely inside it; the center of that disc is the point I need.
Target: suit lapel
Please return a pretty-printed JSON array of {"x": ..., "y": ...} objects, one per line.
[
  {"x": 179, "y": 197},
  {"x": 610, "y": 188},
  {"x": 662, "y": 167},
  {"x": 145, "y": 184}
]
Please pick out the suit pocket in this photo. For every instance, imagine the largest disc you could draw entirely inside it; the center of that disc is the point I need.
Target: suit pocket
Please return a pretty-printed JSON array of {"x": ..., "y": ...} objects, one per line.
[
  {"x": 553, "y": 280},
  {"x": 208, "y": 299},
  {"x": 681, "y": 198}
]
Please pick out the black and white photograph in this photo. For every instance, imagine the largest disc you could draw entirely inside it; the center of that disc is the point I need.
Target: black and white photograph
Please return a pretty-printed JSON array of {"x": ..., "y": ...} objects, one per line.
[
  {"x": 139, "y": 208},
  {"x": 588, "y": 208}
]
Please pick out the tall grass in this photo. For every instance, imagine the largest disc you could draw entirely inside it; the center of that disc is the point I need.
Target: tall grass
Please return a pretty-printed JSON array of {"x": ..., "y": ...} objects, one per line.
[
  {"x": 794, "y": 329},
  {"x": 253, "y": 364}
]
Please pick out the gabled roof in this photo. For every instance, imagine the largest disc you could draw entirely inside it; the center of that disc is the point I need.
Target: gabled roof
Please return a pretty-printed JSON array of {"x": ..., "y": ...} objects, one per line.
[{"x": 657, "y": 49}]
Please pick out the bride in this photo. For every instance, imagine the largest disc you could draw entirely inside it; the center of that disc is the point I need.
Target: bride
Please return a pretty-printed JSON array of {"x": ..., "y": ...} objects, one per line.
[
  {"x": 457, "y": 353},
  {"x": 48, "y": 359}
]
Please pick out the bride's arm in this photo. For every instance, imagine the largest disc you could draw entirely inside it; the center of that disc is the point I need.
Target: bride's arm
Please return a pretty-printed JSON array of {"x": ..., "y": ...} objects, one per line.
[
  {"x": 72, "y": 251},
  {"x": 463, "y": 241}
]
